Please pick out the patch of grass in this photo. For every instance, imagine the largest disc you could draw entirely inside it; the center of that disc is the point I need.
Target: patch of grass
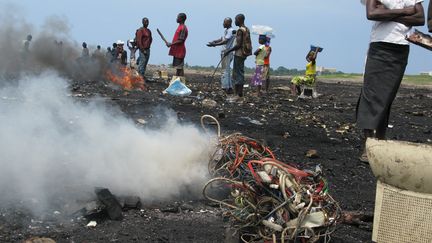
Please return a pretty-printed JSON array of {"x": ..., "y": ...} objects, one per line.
[
  {"x": 408, "y": 79},
  {"x": 417, "y": 79},
  {"x": 342, "y": 76}
]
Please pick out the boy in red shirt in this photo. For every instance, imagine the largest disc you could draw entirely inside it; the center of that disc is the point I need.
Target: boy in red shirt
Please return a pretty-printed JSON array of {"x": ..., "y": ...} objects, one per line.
[{"x": 177, "y": 46}]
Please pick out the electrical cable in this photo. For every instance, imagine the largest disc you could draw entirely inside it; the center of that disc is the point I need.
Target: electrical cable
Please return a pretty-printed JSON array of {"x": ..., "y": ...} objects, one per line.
[{"x": 266, "y": 193}]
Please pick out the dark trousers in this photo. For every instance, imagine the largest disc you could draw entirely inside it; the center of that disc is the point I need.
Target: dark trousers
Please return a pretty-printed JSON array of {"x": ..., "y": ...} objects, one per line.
[
  {"x": 143, "y": 59},
  {"x": 385, "y": 68},
  {"x": 238, "y": 70}
]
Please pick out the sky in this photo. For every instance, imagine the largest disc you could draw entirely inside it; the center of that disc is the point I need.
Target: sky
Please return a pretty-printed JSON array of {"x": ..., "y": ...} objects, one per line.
[{"x": 339, "y": 26}]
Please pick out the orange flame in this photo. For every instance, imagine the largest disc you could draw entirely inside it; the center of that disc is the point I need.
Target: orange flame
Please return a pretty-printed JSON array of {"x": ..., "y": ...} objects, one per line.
[{"x": 127, "y": 78}]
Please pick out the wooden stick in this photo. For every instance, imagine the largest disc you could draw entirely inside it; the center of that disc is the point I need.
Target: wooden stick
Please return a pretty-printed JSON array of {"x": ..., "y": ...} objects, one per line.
[
  {"x": 162, "y": 36},
  {"x": 214, "y": 72}
]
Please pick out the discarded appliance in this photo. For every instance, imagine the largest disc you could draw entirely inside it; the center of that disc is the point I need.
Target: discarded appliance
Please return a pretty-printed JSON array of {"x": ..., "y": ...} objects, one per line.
[{"x": 403, "y": 204}]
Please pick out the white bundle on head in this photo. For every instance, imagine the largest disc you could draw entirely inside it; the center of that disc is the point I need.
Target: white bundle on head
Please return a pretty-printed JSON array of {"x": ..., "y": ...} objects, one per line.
[{"x": 263, "y": 30}]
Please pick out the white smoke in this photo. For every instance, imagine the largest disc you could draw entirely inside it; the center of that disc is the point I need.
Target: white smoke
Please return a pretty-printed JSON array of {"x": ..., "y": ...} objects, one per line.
[
  {"x": 51, "y": 47},
  {"x": 53, "y": 145}
]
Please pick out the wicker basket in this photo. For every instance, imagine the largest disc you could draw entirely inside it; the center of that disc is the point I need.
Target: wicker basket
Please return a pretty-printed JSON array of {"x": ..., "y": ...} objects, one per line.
[{"x": 403, "y": 204}]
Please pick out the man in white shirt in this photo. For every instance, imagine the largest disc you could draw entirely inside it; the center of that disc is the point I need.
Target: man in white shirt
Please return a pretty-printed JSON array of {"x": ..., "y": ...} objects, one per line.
[
  {"x": 386, "y": 61},
  {"x": 227, "y": 42}
]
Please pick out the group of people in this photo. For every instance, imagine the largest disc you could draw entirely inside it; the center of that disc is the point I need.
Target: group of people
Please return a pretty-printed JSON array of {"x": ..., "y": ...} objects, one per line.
[
  {"x": 385, "y": 65},
  {"x": 142, "y": 44},
  {"x": 143, "y": 40},
  {"x": 114, "y": 54},
  {"x": 237, "y": 46}
]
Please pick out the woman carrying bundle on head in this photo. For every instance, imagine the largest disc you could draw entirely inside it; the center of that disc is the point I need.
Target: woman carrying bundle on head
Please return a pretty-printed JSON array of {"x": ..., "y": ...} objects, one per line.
[
  {"x": 266, "y": 72},
  {"x": 260, "y": 54}
]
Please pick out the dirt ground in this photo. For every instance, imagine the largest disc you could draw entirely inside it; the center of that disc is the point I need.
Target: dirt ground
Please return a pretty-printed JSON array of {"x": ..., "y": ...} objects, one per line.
[{"x": 289, "y": 126}]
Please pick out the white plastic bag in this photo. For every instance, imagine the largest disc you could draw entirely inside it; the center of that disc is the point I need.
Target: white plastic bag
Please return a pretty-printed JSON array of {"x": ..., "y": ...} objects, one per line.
[
  {"x": 263, "y": 30},
  {"x": 177, "y": 88}
]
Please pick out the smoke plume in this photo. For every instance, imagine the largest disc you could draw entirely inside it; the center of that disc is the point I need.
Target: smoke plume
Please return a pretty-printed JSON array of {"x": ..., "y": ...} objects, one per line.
[
  {"x": 55, "y": 147},
  {"x": 51, "y": 47},
  {"x": 52, "y": 145}
]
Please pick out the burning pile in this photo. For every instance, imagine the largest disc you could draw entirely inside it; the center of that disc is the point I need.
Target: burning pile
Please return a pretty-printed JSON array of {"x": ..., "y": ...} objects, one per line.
[
  {"x": 126, "y": 77},
  {"x": 267, "y": 199}
]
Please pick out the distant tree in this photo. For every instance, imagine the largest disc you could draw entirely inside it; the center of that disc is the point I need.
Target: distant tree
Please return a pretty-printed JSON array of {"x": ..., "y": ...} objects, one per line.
[{"x": 279, "y": 71}]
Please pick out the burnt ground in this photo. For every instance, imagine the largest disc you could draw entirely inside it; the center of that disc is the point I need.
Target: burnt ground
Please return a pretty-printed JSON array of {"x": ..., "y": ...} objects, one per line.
[{"x": 289, "y": 126}]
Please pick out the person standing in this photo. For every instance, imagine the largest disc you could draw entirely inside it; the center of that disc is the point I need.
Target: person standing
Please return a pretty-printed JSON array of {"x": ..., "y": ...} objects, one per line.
[
  {"x": 25, "y": 49},
  {"x": 26, "y": 44},
  {"x": 85, "y": 54},
  {"x": 242, "y": 49},
  {"x": 144, "y": 39},
  {"x": 131, "y": 44},
  {"x": 108, "y": 53},
  {"x": 24, "y": 54},
  {"x": 120, "y": 55},
  {"x": 60, "y": 50},
  {"x": 97, "y": 52},
  {"x": 260, "y": 54},
  {"x": 113, "y": 52},
  {"x": 266, "y": 70},
  {"x": 386, "y": 62},
  {"x": 177, "y": 46},
  {"x": 227, "y": 42},
  {"x": 97, "y": 56}
]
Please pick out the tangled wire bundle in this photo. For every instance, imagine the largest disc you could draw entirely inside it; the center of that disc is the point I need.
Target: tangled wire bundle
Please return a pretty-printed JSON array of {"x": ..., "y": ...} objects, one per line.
[{"x": 267, "y": 199}]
